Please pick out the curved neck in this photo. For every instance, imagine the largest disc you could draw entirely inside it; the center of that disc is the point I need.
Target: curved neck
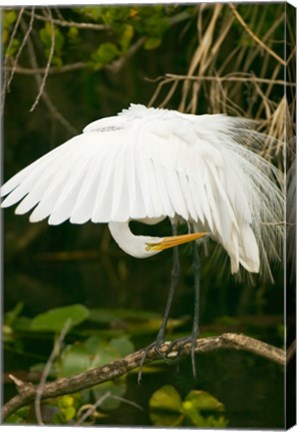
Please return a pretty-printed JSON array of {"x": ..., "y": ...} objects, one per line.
[{"x": 134, "y": 245}]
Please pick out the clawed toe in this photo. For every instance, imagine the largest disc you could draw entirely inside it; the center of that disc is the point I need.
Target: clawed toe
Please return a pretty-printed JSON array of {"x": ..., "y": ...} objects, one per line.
[
  {"x": 173, "y": 351},
  {"x": 157, "y": 347},
  {"x": 177, "y": 347}
]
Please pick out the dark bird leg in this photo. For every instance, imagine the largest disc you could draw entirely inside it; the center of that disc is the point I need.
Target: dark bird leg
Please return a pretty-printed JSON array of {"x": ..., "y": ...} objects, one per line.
[
  {"x": 174, "y": 282},
  {"x": 195, "y": 328}
]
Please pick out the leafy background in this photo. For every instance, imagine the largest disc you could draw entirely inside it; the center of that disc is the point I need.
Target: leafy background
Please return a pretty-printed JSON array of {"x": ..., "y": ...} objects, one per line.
[{"x": 66, "y": 67}]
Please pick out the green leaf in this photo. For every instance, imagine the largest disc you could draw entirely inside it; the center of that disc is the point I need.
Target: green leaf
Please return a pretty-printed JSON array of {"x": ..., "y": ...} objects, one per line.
[
  {"x": 11, "y": 315},
  {"x": 126, "y": 36},
  {"x": 73, "y": 35},
  {"x": 47, "y": 37},
  {"x": 105, "y": 54},
  {"x": 94, "y": 352},
  {"x": 203, "y": 401},
  {"x": 152, "y": 43},
  {"x": 166, "y": 407},
  {"x": 55, "y": 319},
  {"x": 14, "y": 46},
  {"x": 198, "y": 409},
  {"x": 123, "y": 345},
  {"x": 74, "y": 359},
  {"x": 202, "y": 409},
  {"x": 102, "y": 315},
  {"x": 8, "y": 18}
]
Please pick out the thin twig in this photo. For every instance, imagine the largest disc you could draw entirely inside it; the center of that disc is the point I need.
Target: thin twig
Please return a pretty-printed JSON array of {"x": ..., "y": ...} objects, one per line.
[
  {"x": 107, "y": 395},
  {"x": 6, "y": 57},
  {"x": 84, "y": 26},
  {"x": 53, "y": 70},
  {"x": 54, "y": 354},
  {"x": 255, "y": 37},
  {"x": 231, "y": 78},
  {"x": 55, "y": 113},
  {"x": 48, "y": 65},
  {"x": 20, "y": 50}
]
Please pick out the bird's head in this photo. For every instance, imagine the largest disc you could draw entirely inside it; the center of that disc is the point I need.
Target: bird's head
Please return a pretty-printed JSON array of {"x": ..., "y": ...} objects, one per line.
[{"x": 140, "y": 246}]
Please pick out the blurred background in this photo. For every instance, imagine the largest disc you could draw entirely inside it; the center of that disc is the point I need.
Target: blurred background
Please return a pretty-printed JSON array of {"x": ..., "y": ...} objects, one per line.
[{"x": 65, "y": 67}]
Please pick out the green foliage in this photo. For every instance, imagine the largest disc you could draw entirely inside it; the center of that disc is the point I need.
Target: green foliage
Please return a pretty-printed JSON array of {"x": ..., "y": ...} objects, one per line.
[
  {"x": 52, "y": 38},
  {"x": 126, "y": 24},
  {"x": 67, "y": 408},
  {"x": 93, "y": 353},
  {"x": 73, "y": 36},
  {"x": 8, "y": 20},
  {"x": 199, "y": 409},
  {"x": 56, "y": 319},
  {"x": 121, "y": 28},
  {"x": 19, "y": 417},
  {"x": 104, "y": 55},
  {"x": 152, "y": 43}
]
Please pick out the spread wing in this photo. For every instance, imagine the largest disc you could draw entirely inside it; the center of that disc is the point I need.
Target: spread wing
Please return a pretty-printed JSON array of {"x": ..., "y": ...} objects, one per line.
[{"x": 148, "y": 163}]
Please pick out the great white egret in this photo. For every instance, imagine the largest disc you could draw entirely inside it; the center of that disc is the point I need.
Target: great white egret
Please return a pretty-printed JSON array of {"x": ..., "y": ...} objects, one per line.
[{"x": 148, "y": 164}]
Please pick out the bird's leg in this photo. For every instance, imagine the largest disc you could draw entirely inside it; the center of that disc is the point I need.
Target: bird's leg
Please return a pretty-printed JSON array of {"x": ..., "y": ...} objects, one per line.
[
  {"x": 174, "y": 282},
  {"x": 195, "y": 328}
]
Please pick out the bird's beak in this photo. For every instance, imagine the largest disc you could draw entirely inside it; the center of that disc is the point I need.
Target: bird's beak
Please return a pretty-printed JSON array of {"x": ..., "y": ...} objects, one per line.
[{"x": 169, "y": 242}]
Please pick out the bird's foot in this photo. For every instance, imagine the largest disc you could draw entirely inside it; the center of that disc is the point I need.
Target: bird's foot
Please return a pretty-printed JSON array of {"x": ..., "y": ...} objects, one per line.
[
  {"x": 176, "y": 348},
  {"x": 156, "y": 345}
]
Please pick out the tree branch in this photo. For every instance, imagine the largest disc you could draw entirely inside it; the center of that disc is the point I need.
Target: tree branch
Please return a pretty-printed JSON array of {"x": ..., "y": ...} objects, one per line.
[
  {"x": 80, "y": 25},
  {"x": 28, "y": 391},
  {"x": 255, "y": 37}
]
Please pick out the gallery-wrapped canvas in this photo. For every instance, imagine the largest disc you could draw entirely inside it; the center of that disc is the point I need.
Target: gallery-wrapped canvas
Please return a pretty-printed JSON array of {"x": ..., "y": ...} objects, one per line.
[{"x": 148, "y": 200}]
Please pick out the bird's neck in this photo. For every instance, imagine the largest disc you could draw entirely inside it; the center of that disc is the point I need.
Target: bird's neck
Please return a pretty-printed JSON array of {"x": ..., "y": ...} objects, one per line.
[{"x": 130, "y": 243}]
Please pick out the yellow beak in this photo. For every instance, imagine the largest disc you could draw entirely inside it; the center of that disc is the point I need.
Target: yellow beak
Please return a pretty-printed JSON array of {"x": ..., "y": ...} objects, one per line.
[{"x": 169, "y": 242}]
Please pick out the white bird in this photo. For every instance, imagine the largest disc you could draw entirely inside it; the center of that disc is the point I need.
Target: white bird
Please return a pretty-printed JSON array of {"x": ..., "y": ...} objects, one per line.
[{"x": 149, "y": 164}]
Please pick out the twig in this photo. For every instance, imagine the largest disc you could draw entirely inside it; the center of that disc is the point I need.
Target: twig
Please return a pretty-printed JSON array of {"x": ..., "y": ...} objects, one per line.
[
  {"x": 116, "y": 65},
  {"x": 231, "y": 78},
  {"x": 55, "y": 113},
  {"x": 54, "y": 354},
  {"x": 92, "y": 408},
  {"x": 6, "y": 57},
  {"x": 27, "y": 392},
  {"x": 84, "y": 26},
  {"x": 48, "y": 65},
  {"x": 20, "y": 50},
  {"x": 53, "y": 70},
  {"x": 255, "y": 37}
]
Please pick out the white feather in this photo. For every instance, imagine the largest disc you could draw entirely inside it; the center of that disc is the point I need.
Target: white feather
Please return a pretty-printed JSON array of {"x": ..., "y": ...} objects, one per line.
[{"x": 151, "y": 163}]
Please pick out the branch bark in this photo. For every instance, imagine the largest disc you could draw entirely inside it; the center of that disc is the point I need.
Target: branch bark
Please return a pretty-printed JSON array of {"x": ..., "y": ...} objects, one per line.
[{"x": 27, "y": 392}]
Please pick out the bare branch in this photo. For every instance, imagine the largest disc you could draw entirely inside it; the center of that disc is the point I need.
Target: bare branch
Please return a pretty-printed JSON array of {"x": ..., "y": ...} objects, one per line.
[
  {"x": 232, "y": 78},
  {"x": 84, "y": 26},
  {"x": 255, "y": 37},
  {"x": 7, "y": 79},
  {"x": 55, "y": 113},
  {"x": 20, "y": 50},
  {"x": 54, "y": 354},
  {"x": 48, "y": 65},
  {"x": 27, "y": 391},
  {"x": 53, "y": 70}
]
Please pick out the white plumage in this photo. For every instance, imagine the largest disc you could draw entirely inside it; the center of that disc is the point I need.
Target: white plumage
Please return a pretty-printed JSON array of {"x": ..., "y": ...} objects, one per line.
[{"x": 149, "y": 164}]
